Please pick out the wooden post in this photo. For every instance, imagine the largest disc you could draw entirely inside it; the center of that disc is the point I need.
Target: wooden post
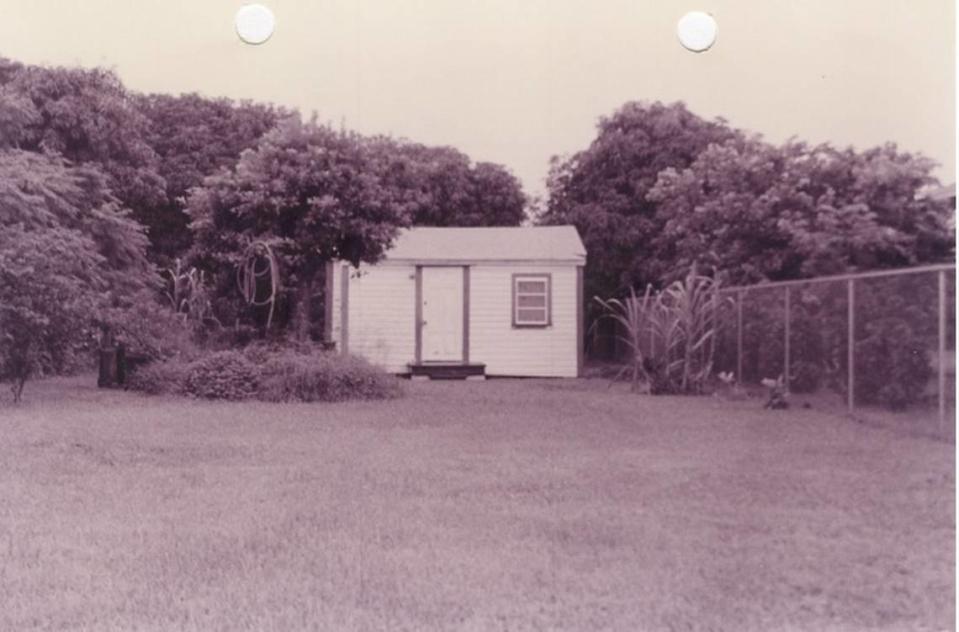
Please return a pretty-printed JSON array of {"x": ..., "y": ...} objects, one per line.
[
  {"x": 786, "y": 341},
  {"x": 942, "y": 351},
  {"x": 850, "y": 344},
  {"x": 739, "y": 336}
]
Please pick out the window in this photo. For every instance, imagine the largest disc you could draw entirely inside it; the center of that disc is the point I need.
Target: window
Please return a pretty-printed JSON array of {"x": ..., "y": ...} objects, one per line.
[{"x": 531, "y": 300}]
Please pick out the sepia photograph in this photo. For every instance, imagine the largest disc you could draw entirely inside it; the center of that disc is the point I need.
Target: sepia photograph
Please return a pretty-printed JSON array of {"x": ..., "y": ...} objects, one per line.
[{"x": 478, "y": 315}]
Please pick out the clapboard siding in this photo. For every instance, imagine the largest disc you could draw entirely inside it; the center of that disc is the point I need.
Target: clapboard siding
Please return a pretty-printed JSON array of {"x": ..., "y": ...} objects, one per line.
[
  {"x": 549, "y": 351},
  {"x": 382, "y": 312},
  {"x": 381, "y": 315}
]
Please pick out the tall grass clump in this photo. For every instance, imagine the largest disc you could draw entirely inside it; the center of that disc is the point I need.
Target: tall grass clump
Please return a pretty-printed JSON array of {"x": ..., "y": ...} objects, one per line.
[{"x": 669, "y": 335}]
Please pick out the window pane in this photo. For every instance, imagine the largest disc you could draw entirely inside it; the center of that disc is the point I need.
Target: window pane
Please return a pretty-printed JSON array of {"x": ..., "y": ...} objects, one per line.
[
  {"x": 533, "y": 316},
  {"x": 534, "y": 287},
  {"x": 532, "y": 300}
]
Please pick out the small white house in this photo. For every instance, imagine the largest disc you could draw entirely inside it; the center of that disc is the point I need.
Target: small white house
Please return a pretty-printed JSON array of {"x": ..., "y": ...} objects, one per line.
[{"x": 455, "y": 302}]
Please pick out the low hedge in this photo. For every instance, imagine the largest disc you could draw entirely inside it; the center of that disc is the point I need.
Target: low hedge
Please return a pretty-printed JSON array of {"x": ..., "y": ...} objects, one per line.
[
  {"x": 274, "y": 374},
  {"x": 223, "y": 375},
  {"x": 160, "y": 377}
]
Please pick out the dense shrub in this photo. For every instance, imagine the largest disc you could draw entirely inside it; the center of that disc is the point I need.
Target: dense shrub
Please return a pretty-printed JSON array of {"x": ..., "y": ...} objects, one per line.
[
  {"x": 324, "y": 377},
  {"x": 151, "y": 330},
  {"x": 269, "y": 372},
  {"x": 223, "y": 375},
  {"x": 892, "y": 365},
  {"x": 164, "y": 377},
  {"x": 895, "y": 333},
  {"x": 805, "y": 376}
]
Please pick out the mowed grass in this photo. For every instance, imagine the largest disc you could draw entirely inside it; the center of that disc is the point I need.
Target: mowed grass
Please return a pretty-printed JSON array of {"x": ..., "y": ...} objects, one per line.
[{"x": 504, "y": 505}]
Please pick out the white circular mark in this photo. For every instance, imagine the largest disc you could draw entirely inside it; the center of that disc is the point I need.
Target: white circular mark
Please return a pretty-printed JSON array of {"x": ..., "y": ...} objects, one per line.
[
  {"x": 254, "y": 23},
  {"x": 697, "y": 31}
]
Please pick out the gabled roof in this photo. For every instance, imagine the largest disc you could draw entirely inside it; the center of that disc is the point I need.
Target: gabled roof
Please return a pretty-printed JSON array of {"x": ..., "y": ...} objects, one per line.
[{"x": 488, "y": 244}]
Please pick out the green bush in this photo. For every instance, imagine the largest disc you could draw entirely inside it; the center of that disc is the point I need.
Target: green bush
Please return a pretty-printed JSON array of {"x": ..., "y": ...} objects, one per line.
[
  {"x": 324, "y": 377},
  {"x": 895, "y": 332},
  {"x": 805, "y": 377},
  {"x": 223, "y": 375},
  {"x": 892, "y": 365},
  {"x": 290, "y": 373},
  {"x": 150, "y": 329},
  {"x": 165, "y": 377}
]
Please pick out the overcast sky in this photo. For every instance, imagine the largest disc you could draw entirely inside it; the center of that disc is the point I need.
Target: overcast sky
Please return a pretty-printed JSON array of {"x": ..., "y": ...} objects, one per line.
[{"x": 517, "y": 81}]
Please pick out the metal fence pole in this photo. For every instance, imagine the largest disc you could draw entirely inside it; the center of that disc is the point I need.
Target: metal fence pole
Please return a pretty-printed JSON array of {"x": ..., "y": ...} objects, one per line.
[
  {"x": 942, "y": 350},
  {"x": 739, "y": 336},
  {"x": 786, "y": 345},
  {"x": 850, "y": 344}
]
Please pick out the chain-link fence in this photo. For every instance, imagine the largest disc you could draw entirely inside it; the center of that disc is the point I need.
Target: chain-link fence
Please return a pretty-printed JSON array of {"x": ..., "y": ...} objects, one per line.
[{"x": 877, "y": 343}]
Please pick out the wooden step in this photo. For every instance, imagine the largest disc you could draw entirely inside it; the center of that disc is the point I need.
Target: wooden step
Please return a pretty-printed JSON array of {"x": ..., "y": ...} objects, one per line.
[{"x": 447, "y": 371}]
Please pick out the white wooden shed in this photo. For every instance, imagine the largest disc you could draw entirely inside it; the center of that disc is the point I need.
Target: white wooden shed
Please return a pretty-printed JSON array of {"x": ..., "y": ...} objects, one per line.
[{"x": 458, "y": 302}]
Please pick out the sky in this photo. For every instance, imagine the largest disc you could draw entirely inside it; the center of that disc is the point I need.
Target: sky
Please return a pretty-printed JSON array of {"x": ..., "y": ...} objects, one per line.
[{"x": 518, "y": 81}]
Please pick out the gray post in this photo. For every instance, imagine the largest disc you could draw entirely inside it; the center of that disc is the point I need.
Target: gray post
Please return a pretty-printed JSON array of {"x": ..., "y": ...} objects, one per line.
[
  {"x": 850, "y": 344},
  {"x": 739, "y": 336},
  {"x": 786, "y": 346},
  {"x": 942, "y": 350}
]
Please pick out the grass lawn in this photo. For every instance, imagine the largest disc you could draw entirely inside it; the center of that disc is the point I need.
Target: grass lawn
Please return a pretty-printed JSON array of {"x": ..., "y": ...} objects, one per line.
[{"x": 504, "y": 505}]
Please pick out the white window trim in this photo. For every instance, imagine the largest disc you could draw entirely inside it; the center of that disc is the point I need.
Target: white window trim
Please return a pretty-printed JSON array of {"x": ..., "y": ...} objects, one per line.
[{"x": 547, "y": 280}]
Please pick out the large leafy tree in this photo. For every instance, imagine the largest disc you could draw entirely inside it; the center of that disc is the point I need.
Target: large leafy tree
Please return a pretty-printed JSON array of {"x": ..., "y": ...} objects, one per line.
[
  {"x": 194, "y": 137},
  {"x": 152, "y": 148},
  {"x": 86, "y": 116},
  {"x": 758, "y": 211},
  {"x": 312, "y": 194},
  {"x": 50, "y": 287},
  {"x": 603, "y": 189},
  {"x": 70, "y": 259},
  {"x": 39, "y": 191},
  {"x": 450, "y": 190}
]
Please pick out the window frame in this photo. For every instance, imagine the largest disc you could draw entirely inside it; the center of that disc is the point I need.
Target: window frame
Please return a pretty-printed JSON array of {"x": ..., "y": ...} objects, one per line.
[{"x": 533, "y": 276}]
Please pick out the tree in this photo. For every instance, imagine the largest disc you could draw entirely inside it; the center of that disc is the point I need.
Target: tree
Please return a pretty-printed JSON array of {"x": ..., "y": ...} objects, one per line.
[
  {"x": 153, "y": 148},
  {"x": 447, "y": 189},
  {"x": 603, "y": 189},
  {"x": 500, "y": 200},
  {"x": 311, "y": 193},
  {"x": 88, "y": 117},
  {"x": 69, "y": 255},
  {"x": 758, "y": 211},
  {"x": 194, "y": 137},
  {"x": 50, "y": 287},
  {"x": 40, "y": 191}
]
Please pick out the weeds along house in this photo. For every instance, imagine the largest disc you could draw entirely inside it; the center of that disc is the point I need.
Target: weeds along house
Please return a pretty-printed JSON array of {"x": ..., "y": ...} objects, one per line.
[{"x": 458, "y": 302}]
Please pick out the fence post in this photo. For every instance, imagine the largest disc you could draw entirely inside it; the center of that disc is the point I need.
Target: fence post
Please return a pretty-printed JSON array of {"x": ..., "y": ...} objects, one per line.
[
  {"x": 739, "y": 336},
  {"x": 942, "y": 351},
  {"x": 850, "y": 344},
  {"x": 786, "y": 346}
]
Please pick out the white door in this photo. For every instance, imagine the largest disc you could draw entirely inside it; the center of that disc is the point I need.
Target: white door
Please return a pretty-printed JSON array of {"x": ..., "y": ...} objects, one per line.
[{"x": 442, "y": 324}]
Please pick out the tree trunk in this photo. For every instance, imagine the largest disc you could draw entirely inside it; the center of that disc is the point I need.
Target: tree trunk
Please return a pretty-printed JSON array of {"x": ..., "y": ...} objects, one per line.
[
  {"x": 17, "y": 388},
  {"x": 302, "y": 310}
]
